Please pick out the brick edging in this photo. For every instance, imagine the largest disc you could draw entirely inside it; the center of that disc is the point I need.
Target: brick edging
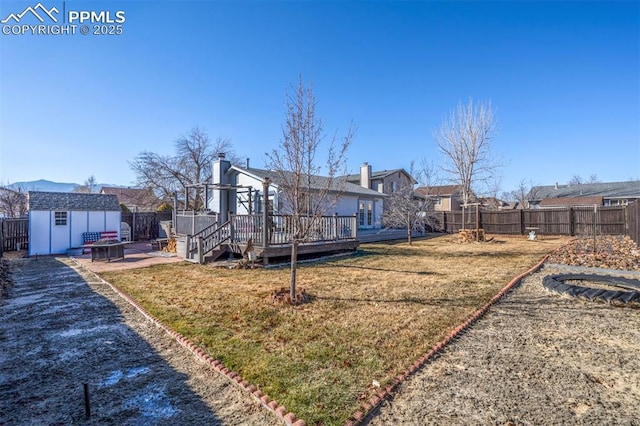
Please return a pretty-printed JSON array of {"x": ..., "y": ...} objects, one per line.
[
  {"x": 377, "y": 399},
  {"x": 271, "y": 405}
]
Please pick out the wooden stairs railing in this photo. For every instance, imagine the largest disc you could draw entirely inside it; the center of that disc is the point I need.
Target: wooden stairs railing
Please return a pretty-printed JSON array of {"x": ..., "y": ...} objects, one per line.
[{"x": 206, "y": 241}]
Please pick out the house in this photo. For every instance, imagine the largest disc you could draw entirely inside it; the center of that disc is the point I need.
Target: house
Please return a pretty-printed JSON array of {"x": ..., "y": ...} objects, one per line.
[
  {"x": 239, "y": 190},
  {"x": 57, "y": 220},
  {"x": 135, "y": 199},
  {"x": 383, "y": 181},
  {"x": 586, "y": 194},
  {"x": 445, "y": 197}
]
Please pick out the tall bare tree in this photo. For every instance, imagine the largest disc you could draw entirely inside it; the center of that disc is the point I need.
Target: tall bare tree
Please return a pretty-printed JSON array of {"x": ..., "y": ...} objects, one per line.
[
  {"x": 13, "y": 202},
  {"x": 464, "y": 138},
  {"x": 296, "y": 167},
  {"x": 189, "y": 165}
]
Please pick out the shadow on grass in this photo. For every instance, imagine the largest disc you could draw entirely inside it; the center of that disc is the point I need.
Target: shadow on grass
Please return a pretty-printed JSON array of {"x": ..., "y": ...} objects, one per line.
[
  {"x": 440, "y": 302},
  {"x": 370, "y": 268}
]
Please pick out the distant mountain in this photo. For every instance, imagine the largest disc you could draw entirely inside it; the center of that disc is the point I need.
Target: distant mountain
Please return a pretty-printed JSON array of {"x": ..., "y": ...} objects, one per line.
[
  {"x": 43, "y": 185},
  {"x": 48, "y": 186}
]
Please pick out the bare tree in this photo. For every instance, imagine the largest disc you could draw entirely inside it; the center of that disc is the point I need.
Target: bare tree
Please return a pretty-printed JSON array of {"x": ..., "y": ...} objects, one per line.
[
  {"x": 464, "y": 139},
  {"x": 90, "y": 186},
  {"x": 578, "y": 180},
  {"x": 13, "y": 202},
  {"x": 189, "y": 165},
  {"x": 412, "y": 209},
  {"x": 296, "y": 168}
]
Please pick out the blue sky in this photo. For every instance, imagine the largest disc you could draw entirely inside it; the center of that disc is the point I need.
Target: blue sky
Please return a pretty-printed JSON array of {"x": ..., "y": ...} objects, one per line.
[{"x": 563, "y": 77}]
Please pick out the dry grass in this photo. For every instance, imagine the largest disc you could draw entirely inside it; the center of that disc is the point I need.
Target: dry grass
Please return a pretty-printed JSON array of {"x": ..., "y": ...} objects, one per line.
[{"x": 372, "y": 315}]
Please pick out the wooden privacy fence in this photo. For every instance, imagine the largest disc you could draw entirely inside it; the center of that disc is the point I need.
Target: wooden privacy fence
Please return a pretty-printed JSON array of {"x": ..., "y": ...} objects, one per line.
[
  {"x": 617, "y": 220},
  {"x": 14, "y": 234},
  {"x": 145, "y": 225}
]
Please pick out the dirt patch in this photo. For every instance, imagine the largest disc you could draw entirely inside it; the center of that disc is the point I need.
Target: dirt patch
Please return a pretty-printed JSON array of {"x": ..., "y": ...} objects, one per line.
[
  {"x": 534, "y": 358},
  {"x": 62, "y": 327}
]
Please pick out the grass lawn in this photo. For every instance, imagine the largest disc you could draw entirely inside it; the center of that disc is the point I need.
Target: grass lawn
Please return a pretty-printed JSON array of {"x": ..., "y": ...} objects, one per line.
[{"x": 372, "y": 316}]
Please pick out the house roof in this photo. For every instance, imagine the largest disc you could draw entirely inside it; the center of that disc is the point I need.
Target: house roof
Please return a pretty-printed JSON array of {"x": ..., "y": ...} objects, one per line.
[
  {"x": 629, "y": 189},
  {"x": 72, "y": 201},
  {"x": 438, "y": 190},
  {"x": 381, "y": 174},
  {"x": 132, "y": 196},
  {"x": 338, "y": 184},
  {"x": 571, "y": 201}
]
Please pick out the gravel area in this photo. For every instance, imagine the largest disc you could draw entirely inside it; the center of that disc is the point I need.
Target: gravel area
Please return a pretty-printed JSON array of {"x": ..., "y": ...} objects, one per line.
[
  {"x": 534, "y": 358},
  {"x": 61, "y": 328}
]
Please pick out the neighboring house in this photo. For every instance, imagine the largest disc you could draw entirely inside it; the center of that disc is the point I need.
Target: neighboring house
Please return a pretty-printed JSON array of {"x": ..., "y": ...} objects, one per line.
[
  {"x": 383, "y": 181},
  {"x": 586, "y": 194},
  {"x": 135, "y": 199},
  {"x": 493, "y": 203},
  {"x": 239, "y": 190},
  {"x": 58, "y": 219},
  {"x": 445, "y": 198}
]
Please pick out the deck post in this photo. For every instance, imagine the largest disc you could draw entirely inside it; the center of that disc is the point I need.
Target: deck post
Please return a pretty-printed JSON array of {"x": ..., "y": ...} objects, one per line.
[
  {"x": 200, "y": 250},
  {"x": 354, "y": 227},
  {"x": 265, "y": 212},
  {"x": 335, "y": 226},
  {"x": 187, "y": 247}
]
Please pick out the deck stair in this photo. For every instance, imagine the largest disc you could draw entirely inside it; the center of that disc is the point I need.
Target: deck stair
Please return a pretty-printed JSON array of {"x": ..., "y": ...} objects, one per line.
[{"x": 207, "y": 242}]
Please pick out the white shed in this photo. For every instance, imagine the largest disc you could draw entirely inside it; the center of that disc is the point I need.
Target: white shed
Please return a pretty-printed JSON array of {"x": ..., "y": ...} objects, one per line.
[{"x": 57, "y": 220}]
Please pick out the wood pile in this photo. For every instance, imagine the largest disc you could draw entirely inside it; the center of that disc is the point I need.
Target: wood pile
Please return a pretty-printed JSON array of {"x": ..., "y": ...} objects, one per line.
[
  {"x": 171, "y": 246},
  {"x": 471, "y": 235},
  {"x": 611, "y": 251}
]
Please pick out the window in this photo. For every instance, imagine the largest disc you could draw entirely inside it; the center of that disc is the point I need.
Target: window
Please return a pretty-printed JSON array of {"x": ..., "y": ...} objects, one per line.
[
  {"x": 369, "y": 214},
  {"x": 438, "y": 201},
  {"x": 60, "y": 218},
  {"x": 361, "y": 214},
  {"x": 394, "y": 187}
]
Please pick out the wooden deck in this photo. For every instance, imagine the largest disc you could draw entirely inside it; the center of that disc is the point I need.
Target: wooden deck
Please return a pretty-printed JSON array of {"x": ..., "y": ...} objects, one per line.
[
  {"x": 284, "y": 250},
  {"x": 327, "y": 234}
]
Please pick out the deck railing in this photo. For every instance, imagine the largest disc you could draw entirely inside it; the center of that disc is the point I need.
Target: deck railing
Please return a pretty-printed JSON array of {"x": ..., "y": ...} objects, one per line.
[
  {"x": 280, "y": 229},
  {"x": 189, "y": 222}
]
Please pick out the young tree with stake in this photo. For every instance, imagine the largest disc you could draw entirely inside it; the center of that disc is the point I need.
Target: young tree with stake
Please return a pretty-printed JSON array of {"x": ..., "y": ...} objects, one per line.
[{"x": 296, "y": 168}]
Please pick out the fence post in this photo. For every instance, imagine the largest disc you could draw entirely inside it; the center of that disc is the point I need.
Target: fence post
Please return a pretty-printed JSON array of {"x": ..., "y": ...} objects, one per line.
[
  {"x": 187, "y": 247},
  {"x": 335, "y": 226},
  {"x": 572, "y": 228},
  {"x": 522, "y": 222}
]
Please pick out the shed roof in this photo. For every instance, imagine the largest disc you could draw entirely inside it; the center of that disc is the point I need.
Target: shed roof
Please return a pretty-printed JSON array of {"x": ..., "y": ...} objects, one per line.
[{"x": 39, "y": 200}]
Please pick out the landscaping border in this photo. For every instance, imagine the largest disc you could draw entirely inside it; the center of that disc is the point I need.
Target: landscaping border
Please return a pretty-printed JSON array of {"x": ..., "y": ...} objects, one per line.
[
  {"x": 271, "y": 405},
  {"x": 374, "y": 402}
]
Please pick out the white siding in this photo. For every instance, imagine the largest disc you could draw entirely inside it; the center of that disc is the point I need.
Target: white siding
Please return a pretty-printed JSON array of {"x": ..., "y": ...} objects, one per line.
[
  {"x": 45, "y": 237},
  {"x": 39, "y": 237},
  {"x": 79, "y": 224}
]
